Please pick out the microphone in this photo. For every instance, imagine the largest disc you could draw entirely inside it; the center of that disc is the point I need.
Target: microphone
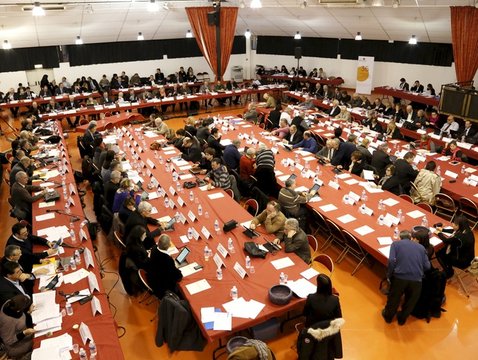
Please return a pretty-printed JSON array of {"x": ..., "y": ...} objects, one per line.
[{"x": 75, "y": 218}]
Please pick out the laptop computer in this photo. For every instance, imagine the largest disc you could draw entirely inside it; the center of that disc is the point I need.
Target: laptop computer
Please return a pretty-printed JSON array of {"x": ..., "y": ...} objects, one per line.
[
  {"x": 180, "y": 260},
  {"x": 288, "y": 147},
  {"x": 249, "y": 232},
  {"x": 52, "y": 284}
]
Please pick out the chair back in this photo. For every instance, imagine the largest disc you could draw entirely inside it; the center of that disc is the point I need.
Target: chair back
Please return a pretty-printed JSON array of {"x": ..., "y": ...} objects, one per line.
[
  {"x": 445, "y": 206},
  {"x": 313, "y": 243},
  {"x": 425, "y": 206},
  {"x": 119, "y": 239},
  {"x": 325, "y": 260},
  {"x": 406, "y": 197},
  {"x": 469, "y": 209},
  {"x": 251, "y": 204},
  {"x": 335, "y": 231},
  {"x": 144, "y": 280},
  {"x": 230, "y": 192}
]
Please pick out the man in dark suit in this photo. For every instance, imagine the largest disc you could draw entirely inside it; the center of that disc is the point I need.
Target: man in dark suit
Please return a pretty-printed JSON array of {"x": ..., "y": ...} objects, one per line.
[
  {"x": 295, "y": 136},
  {"x": 11, "y": 281},
  {"x": 141, "y": 217},
  {"x": 405, "y": 171},
  {"x": 469, "y": 132},
  {"x": 26, "y": 165},
  {"x": 335, "y": 109},
  {"x": 163, "y": 274},
  {"x": 111, "y": 187},
  {"x": 22, "y": 199},
  {"x": 72, "y": 104},
  {"x": 214, "y": 141},
  {"x": 417, "y": 87},
  {"x": 191, "y": 150},
  {"x": 381, "y": 159},
  {"x": 343, "y": 152},
  {"x": 88, "y": 140},
  {"x": 202, "y": 132},
  {"x": 403, "y": 85}
]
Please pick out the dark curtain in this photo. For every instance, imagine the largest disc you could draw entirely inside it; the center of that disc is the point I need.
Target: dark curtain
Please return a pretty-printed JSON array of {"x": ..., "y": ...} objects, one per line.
[
  {"x": 205, "y": 34},
  {"x": 464, "y": 34},
  {"x": 26, "y": 58}
]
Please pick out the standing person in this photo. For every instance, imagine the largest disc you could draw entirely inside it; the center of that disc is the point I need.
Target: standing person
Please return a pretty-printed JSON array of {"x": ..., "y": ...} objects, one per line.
[
  {"x": 407, "y": 264},
  {"x": 322, "y": 305}
]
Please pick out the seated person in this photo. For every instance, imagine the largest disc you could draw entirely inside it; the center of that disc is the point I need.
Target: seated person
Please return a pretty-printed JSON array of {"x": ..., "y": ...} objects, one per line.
[
  {"x": 11, "y": 281},
  {"x": 231, "y": 155},
  {"x": 344, "y": 114},
  {"x": 270, "y": 101},
  {"x": 21, "y": 197},
  {"x": 469, "y": 133},
  {"x": 214, "y": 142},
  {"x": 246, "y": 164},
  {"x": 218, "y": 176},
  {"x": 295, "y": 240},
  {"x": 450, "y": 127},
  {"x": 110, "y": 189},
  {"x": 290, "y": 200},
  {"x": 308, "y": 143},
  {"x": 381, "y": 159},
  {"x": 406, "y": 171},
  {"x": 141, "y": 216},
  {"x": 453, "y": 151},
  {"x": 205, "y": 162},
  {"x": 219, "y": 88},
  {"x": 272, "y": 219},
  {"x": 393, "y": 131},
  {"x": 191, "y": 150},
  {"x": 427, "y": 185},
  {"x": 335, "y": 109},
  {"x": 343, "y": 152},
  {"x": 162, "y": 273},
  {"x": 126, "y": 189},
  {"x": 294, "y": 137},
  {"x": 251, "y": 113},
  {"x": 357, "y": 165},
  {"x": 283, "y": 129},
  {"x": 391, "y": 182}
]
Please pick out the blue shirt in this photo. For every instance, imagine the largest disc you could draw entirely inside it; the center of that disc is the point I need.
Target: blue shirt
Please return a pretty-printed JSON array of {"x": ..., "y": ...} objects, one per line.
[
  {"x": 309, "y": 145},
  {"x": 407, "y": 261},
  {"x": 231, "y": 156}
]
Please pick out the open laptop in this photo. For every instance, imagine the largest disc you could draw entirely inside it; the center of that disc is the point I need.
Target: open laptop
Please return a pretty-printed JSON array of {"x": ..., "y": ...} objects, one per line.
[
  {"x": 180, "y": 260},
  {"x": 288, "y": 147},
  {"x": 249, "y": 232}
]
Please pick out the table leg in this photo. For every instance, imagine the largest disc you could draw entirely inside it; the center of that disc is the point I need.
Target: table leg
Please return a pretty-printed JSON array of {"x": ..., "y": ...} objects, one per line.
[{"x": 221, "y": 348}]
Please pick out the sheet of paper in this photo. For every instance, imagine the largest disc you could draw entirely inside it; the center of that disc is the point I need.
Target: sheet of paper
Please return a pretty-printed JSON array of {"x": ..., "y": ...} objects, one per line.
[
  {"x": 385, "y": 240},
  {"x": 49, "y": 324},
  {"x": 435, "y": 241},
  {"x": 451, "y": 174},
  {"x": 344, "y": 176},
  {"x": 368, "y": 175},
  {"x": 217, "y": 195},
  {"x": 81, "y": 295},
  {"x": 302, "y": 287},
  {"x": 351, "y": 181},
  {"x": 282, "y": 263},
  {"x": 208, "y": 314},
  {"x": 223, "y": 321},
  {"x": 46, "y": 204},
  {"x": 237, "y": 308},
  {"x": 364, "y": 230},
  {"x": 198, "y": 286},
  {"x": 385, "y": 251},
  {"x": 309, "y": 273},
  {"x": 189, "y": 269},
  {"x": 328, "y": 207},
  {"x": 46, "y": 216},
  {"x": 315, "y": 199},
  {"x": 74, "y": 277},
  {"x": 345, "y": 219},
  {"x": 390, "y": 202},
  {"x": 415, "y": 214}
]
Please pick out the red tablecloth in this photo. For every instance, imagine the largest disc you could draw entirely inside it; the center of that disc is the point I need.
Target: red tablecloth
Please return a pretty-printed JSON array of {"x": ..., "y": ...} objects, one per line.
[
  {"x": 334, "y": 82},
  {"x": 415, "y": 97}
]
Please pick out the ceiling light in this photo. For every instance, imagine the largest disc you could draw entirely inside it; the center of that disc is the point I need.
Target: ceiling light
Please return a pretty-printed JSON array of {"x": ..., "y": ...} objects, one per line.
[
  {"x": 377, "y": 3},
  {"x": 390, "y": 41},
  {"x": 37, "y": 10},
  {"x": 358, "y": 36},
  {"x": 413, "y": 40},
  {"x": 38, "y": 66},
  {"x": 78, "y": 40},
  {"x": 396, "y": 4},
  {"x": 140, "y": 36},
  {"x": 153, "y": 6},
  {"x": 242, "y": 4},
  {"x": 303, "y": 5},
  {"x": 189, "y": 34},
  {"x": 6, "y": 45},
  {"x": 297, "y": 36},
  {"x": 165, "y": 6},
  {"x": 256, "y": 4},
  {"x": 248, "y": 34}
]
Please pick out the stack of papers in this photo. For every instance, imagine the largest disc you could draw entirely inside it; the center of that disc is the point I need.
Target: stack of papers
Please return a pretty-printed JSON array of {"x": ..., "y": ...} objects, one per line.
[
  {"x": 302, "y": 287},
  {"x": 54, "y": 233},
  {"x": 46, "y": 315},
  {"x": 282, "y": 263},
  {"x": 214, "y": 319},
  {"x": 243, "y": 309},
  {"x": 198, "y": 286},
  {"x": 56, "y": 348}
]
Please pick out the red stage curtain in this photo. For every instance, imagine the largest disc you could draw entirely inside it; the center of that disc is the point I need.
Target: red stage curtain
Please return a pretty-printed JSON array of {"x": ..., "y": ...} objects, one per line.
[
  {"x": 205, "y": 34},
  {"x": 464, "y": 31}
]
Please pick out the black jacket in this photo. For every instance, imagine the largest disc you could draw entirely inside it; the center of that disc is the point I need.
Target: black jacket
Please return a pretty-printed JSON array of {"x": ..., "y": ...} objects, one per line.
[
  {"x": 216, "y": 145},
  {"x": 319, "y": 307},
  {"x": 296, "y": 139},
  {"x": 393, "y": 185},
  {"x": 343, "y": 155},
  {"x": 162, "y": 273},
  {"x": 8, "y": 290},
  {"x": 312, "y": 346},
  {"x": 462, "y": 248},
  {"x": 29, "y": 257},
  {"x": 192, "y": 153},
  {"x": 380, "y": 160},
  {"x": 406, "y": 173},
  {"x": 110, "y": 191},
  {"x": 137, "y": 219}
]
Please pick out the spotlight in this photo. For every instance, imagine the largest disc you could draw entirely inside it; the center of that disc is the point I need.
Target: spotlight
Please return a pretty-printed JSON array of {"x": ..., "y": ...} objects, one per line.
[
  {"x": 6, "y": 45},
  {"x": 140, "y": 36},
  {"x": 153, "y": 6},
  {"x": 189, "y": 34},
  {"x": 248, "y": 33},
  {"x": 413, "y": 40},
  {"x": 297, "y": 36},
  {"x": 358, "y": 36},
  {"x": 256, "y": 4},
  {"x": 78, "y": 40},
  {"x": 37, "y": 10}
]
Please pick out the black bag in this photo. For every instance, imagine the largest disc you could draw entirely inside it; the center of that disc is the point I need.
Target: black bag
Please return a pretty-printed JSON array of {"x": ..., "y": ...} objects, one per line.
[
  {"x": 432, "y": 296},
  {"x": 253, "y": 250},
  {"x": 54, "y": 139}
]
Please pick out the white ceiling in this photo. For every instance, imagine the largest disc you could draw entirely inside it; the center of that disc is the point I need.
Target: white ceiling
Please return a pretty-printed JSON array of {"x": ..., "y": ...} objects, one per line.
[{"x": 121, "y": 20}]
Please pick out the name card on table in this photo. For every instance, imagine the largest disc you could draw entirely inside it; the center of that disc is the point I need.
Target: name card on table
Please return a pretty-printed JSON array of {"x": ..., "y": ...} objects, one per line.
[
  {"x": 206, "y": 233},
  {"x": 390, "y": 220},
  {"x": 88, "y": 258},
  {"x": 195, "y": 234},
  {"x": 217, "y": 259},
  {"x": 182, "y": 218},
  {"x": 71, "y": 202},
  {"x": 191, "y": 216},
  {"x": 93, "y": 282},
  {"x": 172, "y": 205},
  {"x": 140, "y": 150},
  {"x": 354, "y": 196},
  {"x": 334, "y": 185},
  {"x": 135, "y": 143},
  {"x": 72, "y": 189},
  {"x": 96, "y": 306},
  {"x": 150, "y": 163},
  {"x": 85, "y": 333},
  {"x": 240, "y": 270},
  {"x": 82, "y": 235},
  {"x": 470, "y": 181},
  {"x": 148, "y": 173},
  {"x": 172, "y": 190},
  {"x": 180, "y": 201},
  {"x": 222, "y": 250},
  {"x": 366, "y": 210}
]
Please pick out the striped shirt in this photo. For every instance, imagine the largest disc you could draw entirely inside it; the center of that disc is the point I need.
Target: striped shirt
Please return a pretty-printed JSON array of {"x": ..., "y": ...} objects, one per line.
[
  {"x": 265, "y": 159},
  {"x": 220, "y": 177}
]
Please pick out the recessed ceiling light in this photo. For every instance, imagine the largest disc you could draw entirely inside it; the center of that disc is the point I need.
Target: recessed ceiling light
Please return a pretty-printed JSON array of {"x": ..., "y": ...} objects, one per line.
[
  {"x": 248, "y": 33},
  {"x": 256, "y": 4},
  {"x": 78, "y": 40},
  {"x": 37, "y": 10},
  {"x": 189, "y": 34},
  {"x": 153, "y": 6},
  {"x": 6, "y": 45},
  {"x": 140, "y": 36},
  {"x": 38, "y": 66},
  {"x": 413, "y": 40},
  {"x": 297, "y": 36},
  {"x": 358, "y": 36}
]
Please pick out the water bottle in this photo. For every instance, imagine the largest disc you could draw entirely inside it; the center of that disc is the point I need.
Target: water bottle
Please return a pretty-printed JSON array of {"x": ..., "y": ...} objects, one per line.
[
  {"x": 73, "y": 263},
  {"x": 69, "y": 309},
  {"x": 400, "y": 215},
  {"x": 190, "y": 233},
  {"x": 93, "y": 351},
  {"x": 155, "y": 154},
  {"x": 179, "y": 188},
  {"x": 234, "y": 293},
  {"x": 362, "y": 209},
  {"x": 248, "y": 262},
  {"x": 364, "y": 197},
  {"x": 336, "y": 178},
  {"x": 380, "y": 220},
  {"x": 77, "y": 257},
  {"x": 292, "y": 166},
  {"x": 206, "y": 253},
  {"x": 177, "y": 217},
  {"x": 72, "y": 234},
  {"x": 175, "y": 176},
  {"x": 219, "y": 273},
  {"x": 463, "y": 169},
  {"x": 230, "y": 245},
  {"x": 425, "y": 221},
  {"x": 83, "y": 355},
  {"x": 216, "y": 226},
  {"x": 345, "y": 199},
  {"x": 191, "y": 196},
  {"x": 166, "y": 167},
  {"x": 282, "y": 278},
  {"x": 166, "y": 202},
  {"x": 380, "y": 204},
  {"x": 206, "y": 215},
  {"x": 199, "y": 210},
  {"x": 396, "y": 233},
  {"x": 161, "y": 160}
]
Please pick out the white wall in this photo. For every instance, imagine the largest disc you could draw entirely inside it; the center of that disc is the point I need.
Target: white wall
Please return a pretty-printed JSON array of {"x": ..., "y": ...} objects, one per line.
[{"x": 11, "y": 79}]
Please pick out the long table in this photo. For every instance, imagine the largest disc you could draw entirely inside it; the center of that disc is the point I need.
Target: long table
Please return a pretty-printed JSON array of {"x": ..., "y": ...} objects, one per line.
[
  {"x": 46, "y": 100},
  {"x": 102, "y": 326},
  {"x": 334, "y": 82},
  {"x": 112, "y": 121},
  {"x": 224, "y": 208},
  {"x": 408, "y": 95}
]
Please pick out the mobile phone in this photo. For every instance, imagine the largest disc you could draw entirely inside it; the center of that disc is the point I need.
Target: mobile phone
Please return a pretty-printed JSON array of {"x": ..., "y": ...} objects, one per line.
[{"x": 198, "y": 267}]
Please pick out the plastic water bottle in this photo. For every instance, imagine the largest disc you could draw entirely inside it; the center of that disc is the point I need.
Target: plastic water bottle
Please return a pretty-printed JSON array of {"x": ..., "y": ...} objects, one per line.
[
  {"x": 73, "y": 263},
  {"x": 191, "y": 196},
  {"x": 380, "y": 204},
  {"x": 166, "y": 202},
  {"x": 248, "y": 262},
  {"x": 282, "y": 278},
  {"x": 292, "y": 166},
  {"x": 177, "y": 217},
  {"x": 230, "y": 246},
  {"x": 206, "y": 253},
  {"x": 216, "y": 226},
  {"x": 234, "y": 293},
  {"x": 364, "y": 197},
  {"x": 190, "y": 233},
  {"x": 396, "y": 233},
  {"x": 463, "y": 169},
  {"x": 175, "y": 176},
  {"x": 380, "y": 220},
  {"x": 400, "y": 215},
  {"x": 69, "y": 309},
  {"x": 199, "y": 210},
  {"x": 219, "y": 273},
  {"x": 77, "y": 257},
  {"x": 345, "y": 199},
  {"x": 425, "y": 221},
  {"x": 72, "y": 234},
  {"x": 83, "y": 355},
  {"x": 93, "y": 351},
  {"x": 161, "y": 160}
]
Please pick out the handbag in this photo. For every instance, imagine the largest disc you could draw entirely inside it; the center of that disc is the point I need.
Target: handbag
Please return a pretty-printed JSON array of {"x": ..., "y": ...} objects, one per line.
[{"x": 253, "y": 250}]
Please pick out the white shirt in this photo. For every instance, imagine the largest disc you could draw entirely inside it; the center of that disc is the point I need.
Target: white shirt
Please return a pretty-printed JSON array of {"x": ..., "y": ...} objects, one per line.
[
  {"x": 447, "y": 127},
  {"x": 286, "y": 116}
]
